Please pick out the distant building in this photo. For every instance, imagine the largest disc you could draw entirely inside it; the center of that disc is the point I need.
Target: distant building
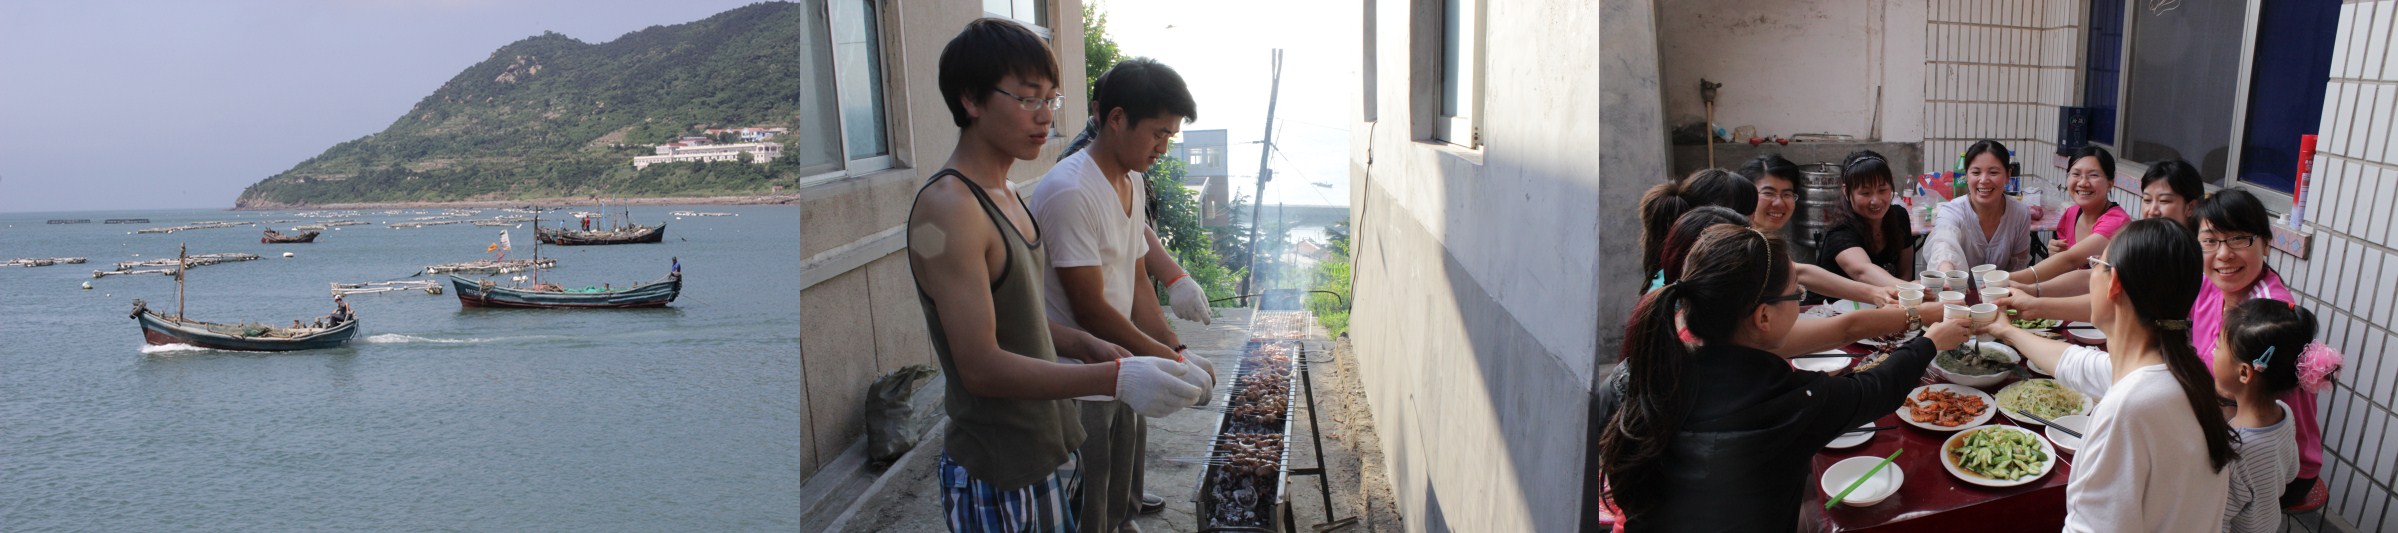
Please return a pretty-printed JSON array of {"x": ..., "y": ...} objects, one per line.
[
  {"x": 1205, "y": 154},
  {"x": 701, "y": 150}
]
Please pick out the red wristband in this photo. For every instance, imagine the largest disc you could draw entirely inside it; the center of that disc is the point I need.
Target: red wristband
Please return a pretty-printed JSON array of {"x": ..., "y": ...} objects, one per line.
[{"x": 1170, "y": 282}]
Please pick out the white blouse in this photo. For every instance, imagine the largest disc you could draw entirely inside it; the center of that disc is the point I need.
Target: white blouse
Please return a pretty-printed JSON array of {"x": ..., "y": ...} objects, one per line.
[
  {"x": 1957, "y": 237},
  {"x": 2143, "y": 464}
]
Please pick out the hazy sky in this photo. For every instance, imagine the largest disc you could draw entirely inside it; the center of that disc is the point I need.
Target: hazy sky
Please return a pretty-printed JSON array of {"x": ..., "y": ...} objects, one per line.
[
  {"x": 170, "y": 104},
  {"x": 1221, "y": 48}
]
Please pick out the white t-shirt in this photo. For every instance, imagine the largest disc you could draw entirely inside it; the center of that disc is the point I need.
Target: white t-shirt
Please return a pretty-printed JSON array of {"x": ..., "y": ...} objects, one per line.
[
  {"x": 1957, "y": 237},
  {"x": 2143, "y": 464},
  {"x": 1084, "y": 224}
]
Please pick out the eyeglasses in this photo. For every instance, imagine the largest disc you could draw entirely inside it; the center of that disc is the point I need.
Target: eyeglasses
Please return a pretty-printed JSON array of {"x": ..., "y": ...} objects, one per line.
[
  {"x": 2095, "y": 262},
  {"x": 2242, "y": 242},
  {"x": 1034, "y": 104},
  {"x": 1799, "y": 296}
]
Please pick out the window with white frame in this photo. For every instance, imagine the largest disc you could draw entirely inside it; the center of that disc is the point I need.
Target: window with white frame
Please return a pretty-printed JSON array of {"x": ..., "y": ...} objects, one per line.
[
  {"x": 1033, "y": 13},
  {"x": 1460, "y": 73},
  {"x": 844, "y": 116}
]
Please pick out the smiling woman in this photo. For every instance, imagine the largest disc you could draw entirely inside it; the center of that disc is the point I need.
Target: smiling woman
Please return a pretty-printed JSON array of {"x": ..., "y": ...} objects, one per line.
[{"x": 1983, "y": 226}]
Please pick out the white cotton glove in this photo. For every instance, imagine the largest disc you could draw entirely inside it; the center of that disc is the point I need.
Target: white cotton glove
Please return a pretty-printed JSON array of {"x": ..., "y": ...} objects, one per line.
[
  {"x": 1190, "y": 301},
  {"x": 1154, "y": 386},
  {"x": 1199, "y": 372}
]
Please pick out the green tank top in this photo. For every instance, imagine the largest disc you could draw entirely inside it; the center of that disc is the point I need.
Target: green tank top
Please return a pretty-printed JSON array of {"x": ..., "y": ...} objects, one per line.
[{"x": 1003, "y": 442}]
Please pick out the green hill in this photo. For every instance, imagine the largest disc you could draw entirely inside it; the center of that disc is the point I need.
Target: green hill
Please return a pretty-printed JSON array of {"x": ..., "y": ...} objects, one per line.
[{"x": 551, "y": 116}]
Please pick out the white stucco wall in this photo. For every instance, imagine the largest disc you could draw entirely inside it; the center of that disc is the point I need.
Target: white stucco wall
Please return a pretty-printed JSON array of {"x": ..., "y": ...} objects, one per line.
[{"x": 1797, "y": 67}]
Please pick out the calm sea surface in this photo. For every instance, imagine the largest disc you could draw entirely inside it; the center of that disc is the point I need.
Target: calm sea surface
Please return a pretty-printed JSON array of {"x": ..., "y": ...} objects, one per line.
[{"x": 434, "y": 418}]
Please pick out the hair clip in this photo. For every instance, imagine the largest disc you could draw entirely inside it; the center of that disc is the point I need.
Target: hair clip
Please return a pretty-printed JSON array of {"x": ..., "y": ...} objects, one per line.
[{"x": 2264, "y": 360}]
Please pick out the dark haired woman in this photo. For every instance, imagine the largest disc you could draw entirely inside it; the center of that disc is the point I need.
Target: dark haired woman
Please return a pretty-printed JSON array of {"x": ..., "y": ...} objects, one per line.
[
  {"x": 2154, "y": 452},
  {"x": 1666, "y": 202},
  {"x": 1983, "y": 226},
  {"x": 1807, "y": 335},
  {"x": 2257, "y": 361},
  {"x": 1719, "y": 437},
  {"x": 2088, "y": 223},
  {"x": 1869, "y": 245},
  {"x": 1777, "y": 192},
  {"x": 2234, "y": 231}
]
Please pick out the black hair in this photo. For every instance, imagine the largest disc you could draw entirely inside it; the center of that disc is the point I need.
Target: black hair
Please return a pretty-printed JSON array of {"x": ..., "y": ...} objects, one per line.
[
  {"x": 987, "y": 50},
  {"x": 1144, "y": 89},
  {"x": 1864, "y": 169},
  {"x": 2235, "y": 210},
  {"x": 2165, "y": 257},
  {"x": 2261, "y": 323},
  {"x": 2006, "y": 159},
  {"x": 1685, "y": 233},
  {"x": 2180, "y": 176},
  {"x": 2106, "y": 160},
  {"x": 1666, "y": 202},
  {"x": 1729, "y": 272},
  {"x": 1771, "y": 165}
]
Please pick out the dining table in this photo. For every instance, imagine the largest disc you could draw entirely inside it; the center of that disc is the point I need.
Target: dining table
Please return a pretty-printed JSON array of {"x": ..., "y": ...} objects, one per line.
[{"x": 1931, "y": 498}]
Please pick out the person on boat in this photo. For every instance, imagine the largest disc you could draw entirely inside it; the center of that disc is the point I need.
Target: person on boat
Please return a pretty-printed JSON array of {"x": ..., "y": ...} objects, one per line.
[
  {"x": 1091, "y": 206},
  {"x": 341, "y": 313},
  {"x": 976, "y": 255},
  {"x": 1719, "y": 437}
]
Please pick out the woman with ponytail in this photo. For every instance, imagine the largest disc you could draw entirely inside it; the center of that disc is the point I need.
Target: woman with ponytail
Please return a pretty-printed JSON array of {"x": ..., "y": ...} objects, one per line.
[
  {"x": 1717, "y": 435},
  {"x": 2153, "y": 455}
]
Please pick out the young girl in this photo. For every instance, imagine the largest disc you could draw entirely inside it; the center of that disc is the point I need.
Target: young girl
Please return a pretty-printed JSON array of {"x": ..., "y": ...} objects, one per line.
[
  {"x": 2257, "y": 362},
  {"x": 2154, "y": 452},
  {"x": 1982, "y": 226},
  {"x": 1719, "y": 437}
]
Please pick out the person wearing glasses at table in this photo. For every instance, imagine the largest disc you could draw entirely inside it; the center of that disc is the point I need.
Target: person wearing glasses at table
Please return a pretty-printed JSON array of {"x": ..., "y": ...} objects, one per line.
[
  {"x": 975, "y": 254},
  {"x": 2155, "y": 449},
  {"x": 1807, "y": 335},
  {"x": 1720, "y": 437},
  {"x": 1777, "y": 195},
  {"x": 2087, "y": 224},
  {"x": 1982, "y": 226},
  {"x": 2234, "y": 230}
]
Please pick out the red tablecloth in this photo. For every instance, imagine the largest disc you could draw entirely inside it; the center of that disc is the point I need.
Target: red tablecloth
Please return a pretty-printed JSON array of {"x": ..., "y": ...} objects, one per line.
[{"x": 1931, "y": 498}]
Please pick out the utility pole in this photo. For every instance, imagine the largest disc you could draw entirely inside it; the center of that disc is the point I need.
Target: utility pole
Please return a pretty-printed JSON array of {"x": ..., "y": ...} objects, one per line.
[{"x": 1264, "y": 174}]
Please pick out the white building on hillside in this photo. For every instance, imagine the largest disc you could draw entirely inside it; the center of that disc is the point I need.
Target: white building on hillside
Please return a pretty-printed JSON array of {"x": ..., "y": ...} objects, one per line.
[{"x": 759, "y": 153}]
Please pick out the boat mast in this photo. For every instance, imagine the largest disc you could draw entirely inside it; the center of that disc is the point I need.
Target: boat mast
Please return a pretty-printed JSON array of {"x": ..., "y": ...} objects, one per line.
[
  {"x": 536, "y": 268},
  {"x": 182, "y": 263}
]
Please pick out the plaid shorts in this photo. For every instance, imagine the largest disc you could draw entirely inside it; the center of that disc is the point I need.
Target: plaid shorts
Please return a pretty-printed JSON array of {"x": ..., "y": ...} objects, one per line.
[{"x": 972, "y": 506}]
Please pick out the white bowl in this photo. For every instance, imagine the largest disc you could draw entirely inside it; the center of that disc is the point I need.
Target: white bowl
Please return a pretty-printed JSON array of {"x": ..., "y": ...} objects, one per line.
[
  {"x": 1883, "y": 484},
  {"x": 1977, "y": 479},
  {"x": 2068, "y": 443},
  {"x": 1989, "y": 407},
  {"x": 1983, "y": 380},
  {"x": 2085, "y": 333}
]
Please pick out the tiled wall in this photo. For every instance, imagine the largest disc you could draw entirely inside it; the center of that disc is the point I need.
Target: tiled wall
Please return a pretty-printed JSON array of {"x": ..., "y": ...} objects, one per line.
[
  {"x": 1998, "y": 70},
  {"x": 2350, "y": 279}
]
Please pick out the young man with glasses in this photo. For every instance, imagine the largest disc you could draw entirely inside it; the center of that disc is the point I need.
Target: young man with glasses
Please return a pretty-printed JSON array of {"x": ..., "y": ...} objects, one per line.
[
  {"x": 1091, "y": 204},
  {"x": 976, "y": 255}
]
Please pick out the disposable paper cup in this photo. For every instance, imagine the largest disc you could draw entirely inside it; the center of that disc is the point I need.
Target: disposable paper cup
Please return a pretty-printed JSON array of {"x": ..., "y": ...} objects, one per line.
[
  {"x": 1979, "y": 269},
  {"x": 1952, "y": 312},
  {"x": 1958, "y": 280},
  {"x": 1991, "y": 295},
  {"x": 1994, "y": 279},
  {"x": 1952, "y": 298},
  {"x": 1910, "y": 297},
  {"x": 1933, "y": 280},
  {"x": 1983, "y": 315},
  {"x": 1909, "y": 286}
]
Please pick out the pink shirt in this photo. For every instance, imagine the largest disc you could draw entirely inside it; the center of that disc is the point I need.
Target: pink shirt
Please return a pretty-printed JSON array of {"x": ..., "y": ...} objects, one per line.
[
  {"x": 2206, "y": 325},
  {"x": 2108, "y": 223}
]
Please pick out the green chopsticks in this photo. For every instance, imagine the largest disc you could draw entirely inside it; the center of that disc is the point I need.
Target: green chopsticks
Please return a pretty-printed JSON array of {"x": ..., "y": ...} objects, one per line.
[{"x": 1852, "y": 485}]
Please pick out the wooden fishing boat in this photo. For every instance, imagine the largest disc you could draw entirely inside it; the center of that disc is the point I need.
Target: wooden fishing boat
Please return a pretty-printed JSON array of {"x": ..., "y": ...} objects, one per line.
[
  {"x": 162, "y": 329},
  {"x": 277, "y": 237},
  {"x": 474, "y": 292},
  {"x": 632, "y": 234}
]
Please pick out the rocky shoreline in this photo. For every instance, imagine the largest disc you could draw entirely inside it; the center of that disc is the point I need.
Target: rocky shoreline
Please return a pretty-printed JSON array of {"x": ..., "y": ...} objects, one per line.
[{"x": 779, "y": 199}]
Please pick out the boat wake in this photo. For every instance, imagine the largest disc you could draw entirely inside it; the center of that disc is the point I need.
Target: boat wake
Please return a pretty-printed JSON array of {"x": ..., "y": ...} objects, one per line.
[
  {"x": 396, "y": 338},
  {"x": 171, "y": 348}
]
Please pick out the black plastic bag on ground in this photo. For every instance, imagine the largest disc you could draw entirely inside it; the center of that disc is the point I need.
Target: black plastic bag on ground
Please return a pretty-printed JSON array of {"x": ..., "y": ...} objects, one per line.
[{"x": 893, "y": 421}]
